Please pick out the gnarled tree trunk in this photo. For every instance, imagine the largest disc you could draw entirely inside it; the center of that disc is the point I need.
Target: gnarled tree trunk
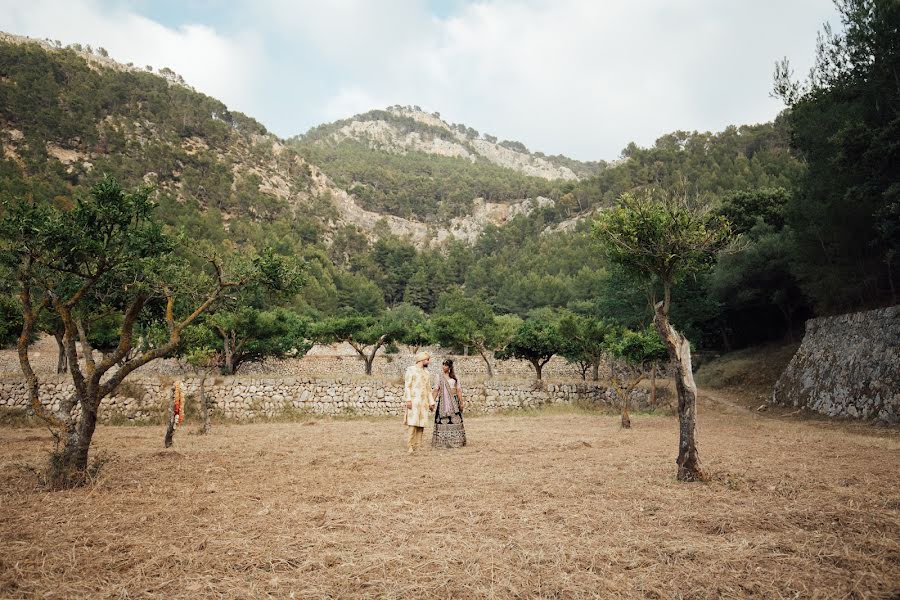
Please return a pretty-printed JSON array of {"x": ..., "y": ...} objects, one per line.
[
  {"x": 538, "y": 367},
  {"x": 680, "y": 352},
  {"x": 624, "y": 383},
  {"x": 490, "y": 369},
  {"x": 626, "y": 418},
  {"x": 368, "y": 358},
  {"x": 170, "y": 428},
  {"x": 204, "y": 405},
  {"x": 62, "y": 364}
]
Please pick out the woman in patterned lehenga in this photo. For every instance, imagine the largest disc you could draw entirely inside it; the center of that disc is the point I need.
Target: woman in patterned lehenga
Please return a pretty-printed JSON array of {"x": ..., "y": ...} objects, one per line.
[{"x": 448, "y": 415}]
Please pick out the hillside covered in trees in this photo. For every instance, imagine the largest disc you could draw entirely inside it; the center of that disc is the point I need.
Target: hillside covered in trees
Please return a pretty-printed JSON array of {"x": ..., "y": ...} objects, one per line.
[{"x": 409, "y": 163}]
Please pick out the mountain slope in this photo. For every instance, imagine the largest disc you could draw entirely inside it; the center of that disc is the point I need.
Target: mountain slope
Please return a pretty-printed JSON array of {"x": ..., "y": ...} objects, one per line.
[
  {"x": 68, "y": 115},
  {"x": 402, "y": 129},
  {"x": 411, "y": 164},
  {"x": 66, "y": 118}
]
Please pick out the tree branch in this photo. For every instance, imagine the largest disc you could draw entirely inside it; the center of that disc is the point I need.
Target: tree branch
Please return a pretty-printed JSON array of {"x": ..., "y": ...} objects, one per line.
[
  {"x": 125, "y": 340},
  {"x": 29, "y": 317},
  {"x": 86, "y": 349},
  {"x": 175, "y": 330}
]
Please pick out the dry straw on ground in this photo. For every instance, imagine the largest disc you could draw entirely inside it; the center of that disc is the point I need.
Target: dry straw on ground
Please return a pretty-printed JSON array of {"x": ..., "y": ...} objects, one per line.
[{"x": 560, "y": 505}]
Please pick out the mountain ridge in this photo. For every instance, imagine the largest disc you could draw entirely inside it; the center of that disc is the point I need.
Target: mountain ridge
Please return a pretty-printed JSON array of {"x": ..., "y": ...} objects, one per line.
[
  {"x": 152, "y": 128},
  {"x": 67, "y": 115},
  {"x": 391, "y": 130}
]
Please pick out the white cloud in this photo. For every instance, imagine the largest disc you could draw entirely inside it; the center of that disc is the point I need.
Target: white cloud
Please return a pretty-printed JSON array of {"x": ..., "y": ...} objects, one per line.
[{"x": 584, "y": 77}]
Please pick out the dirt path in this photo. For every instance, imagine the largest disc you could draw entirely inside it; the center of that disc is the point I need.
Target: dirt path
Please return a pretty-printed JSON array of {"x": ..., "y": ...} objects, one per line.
[{"x": 562, "y": 505}]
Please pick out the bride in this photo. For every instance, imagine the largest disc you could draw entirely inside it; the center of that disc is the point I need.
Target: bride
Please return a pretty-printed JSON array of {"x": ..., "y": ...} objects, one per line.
[{"x": 448, "y": 415}]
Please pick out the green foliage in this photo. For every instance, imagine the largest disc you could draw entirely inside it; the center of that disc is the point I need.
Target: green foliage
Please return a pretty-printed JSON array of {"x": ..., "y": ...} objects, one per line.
[
  {"x": 738, "y": 158},
  {"x": 845, "y": 121},
  {"x": 110, "y": 237},
  {"x": 747, "y": 208},
  {"x": 394, "y": 263},
  {"x": 358, "y": 294},
  {"x": 755, "y": 284},
  {"x": 408, "y": 325},
  {"x": 365, "y": 330},
  {"x": 652, "y": 234},
  {"x": 139, "y": 127},
  {"x": 249, "y": 335},
  {"x": 463, "y": 321},
  {"x": 417, "y": 185},
  {"x": 536, "y": 340},
  {"x": 345, "y": 328},
  {"x": 584, "y": 338},
  {"x": 637, "y": 348},
  {"x": 10, "y": 320}
]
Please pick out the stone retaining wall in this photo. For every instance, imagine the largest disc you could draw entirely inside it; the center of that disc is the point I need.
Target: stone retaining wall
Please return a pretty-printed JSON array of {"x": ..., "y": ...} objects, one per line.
[
  {"x": 144, "y": 399},
  {"x": 847, "y": 366}
]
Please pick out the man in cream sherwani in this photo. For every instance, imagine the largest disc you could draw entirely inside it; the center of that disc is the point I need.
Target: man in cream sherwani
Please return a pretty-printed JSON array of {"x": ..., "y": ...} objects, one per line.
[{"x": 419, "y": 400}]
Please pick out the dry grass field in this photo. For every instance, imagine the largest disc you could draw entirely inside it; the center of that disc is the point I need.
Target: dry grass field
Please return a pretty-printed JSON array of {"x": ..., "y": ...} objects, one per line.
[{"x": 562, "y": 504}]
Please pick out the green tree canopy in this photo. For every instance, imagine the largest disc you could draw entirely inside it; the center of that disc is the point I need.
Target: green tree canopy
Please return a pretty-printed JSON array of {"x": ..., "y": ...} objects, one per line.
[
  {"x": 537, "y": 340},
  {"x": 845, "y": 121}
]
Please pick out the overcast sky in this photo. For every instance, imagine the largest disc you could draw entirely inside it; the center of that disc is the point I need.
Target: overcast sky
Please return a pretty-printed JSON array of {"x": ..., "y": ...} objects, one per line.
[{"x": 577, "y": 77}]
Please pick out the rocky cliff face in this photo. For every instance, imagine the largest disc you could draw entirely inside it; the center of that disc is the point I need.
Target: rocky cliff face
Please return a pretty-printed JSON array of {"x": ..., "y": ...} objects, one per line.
[
  {"x": 847, "y": 366},
  {"x": 384, "y": 135},
  {"x": 466, "y": 228}
]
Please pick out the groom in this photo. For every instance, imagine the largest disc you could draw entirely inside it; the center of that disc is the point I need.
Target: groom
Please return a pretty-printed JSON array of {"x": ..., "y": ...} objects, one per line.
[{"x": 417, "y": 394}]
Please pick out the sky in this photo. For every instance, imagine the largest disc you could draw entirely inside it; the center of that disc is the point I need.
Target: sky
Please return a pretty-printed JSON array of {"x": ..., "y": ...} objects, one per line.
[{"x": 576, "y": 77}]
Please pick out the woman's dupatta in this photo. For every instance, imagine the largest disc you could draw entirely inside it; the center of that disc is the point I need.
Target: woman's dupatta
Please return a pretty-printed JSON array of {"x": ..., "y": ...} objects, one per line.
[{"x": 446, "y": 396}]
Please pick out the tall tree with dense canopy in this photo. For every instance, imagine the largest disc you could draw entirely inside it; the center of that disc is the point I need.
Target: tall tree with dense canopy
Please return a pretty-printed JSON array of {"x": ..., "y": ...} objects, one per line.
[
  {"x": 664, "y": 236},
  {"x": 103, "y": 253},
  {"x": 845, "y": 121}
]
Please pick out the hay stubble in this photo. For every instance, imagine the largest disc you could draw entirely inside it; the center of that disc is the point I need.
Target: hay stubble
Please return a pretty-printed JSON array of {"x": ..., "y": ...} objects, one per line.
[{"x": 555, "y": 506}]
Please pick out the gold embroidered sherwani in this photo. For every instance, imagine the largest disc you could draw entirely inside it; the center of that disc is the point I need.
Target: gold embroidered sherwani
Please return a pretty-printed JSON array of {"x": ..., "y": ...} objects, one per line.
[{"x": 417, "y": 390}]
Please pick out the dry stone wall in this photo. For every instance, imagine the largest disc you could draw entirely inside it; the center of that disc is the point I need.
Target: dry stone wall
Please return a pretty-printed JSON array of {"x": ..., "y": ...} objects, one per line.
[
  {"x": 847, "y": 366},
  {"x": 144, "y": 399}
]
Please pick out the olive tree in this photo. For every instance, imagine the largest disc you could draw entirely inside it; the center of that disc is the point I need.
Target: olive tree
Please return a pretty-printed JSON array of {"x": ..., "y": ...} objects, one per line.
[
  {"x": 664, "y": 236},
  {"x": 537, "y": 340},
  {"x": 365, "y": 334},
  {"x": 104, "y": 253},
  {"x": 584, "y": 336},
  {"x": 469, "y": 322},
  {"x": 631, "y": 354}
]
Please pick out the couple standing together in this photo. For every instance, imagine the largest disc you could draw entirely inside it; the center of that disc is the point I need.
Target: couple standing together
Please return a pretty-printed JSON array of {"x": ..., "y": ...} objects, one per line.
[{"x": 443, "y": 395}]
